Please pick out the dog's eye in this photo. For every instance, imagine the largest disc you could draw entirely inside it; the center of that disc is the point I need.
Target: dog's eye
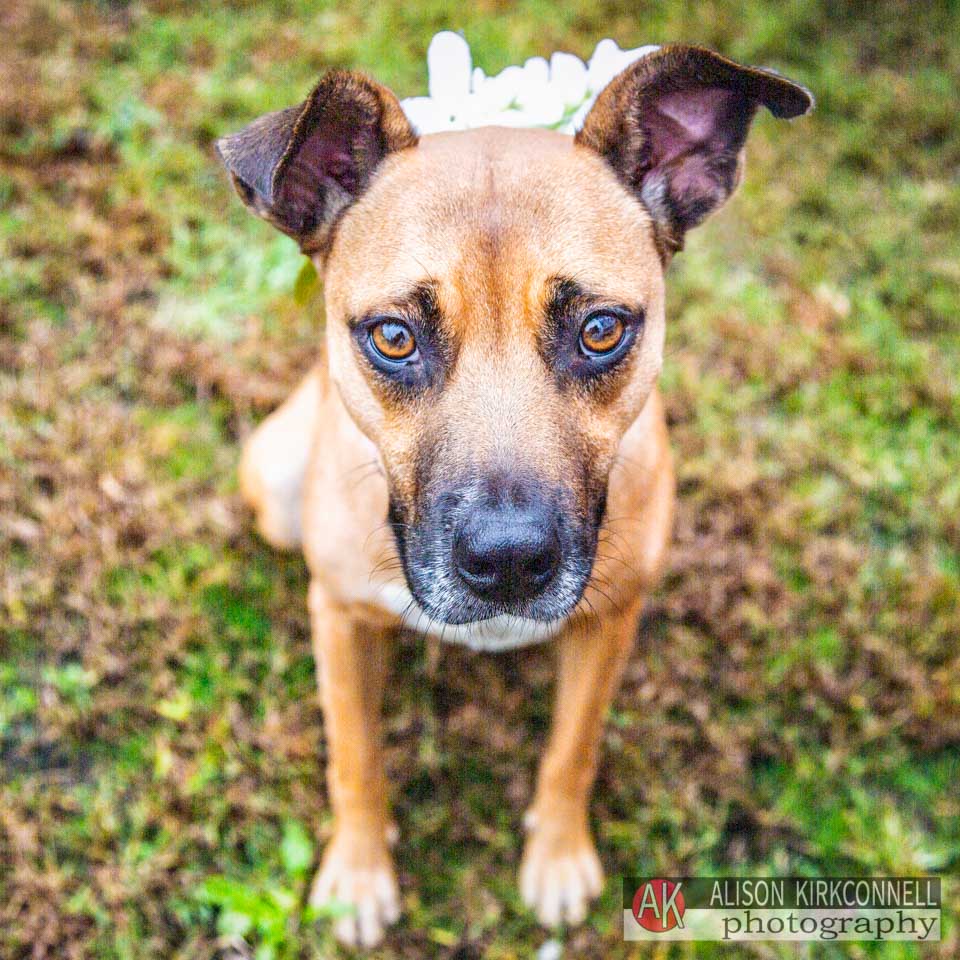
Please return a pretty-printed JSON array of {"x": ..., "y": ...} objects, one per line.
[
  {"x": 393, "y": 340},
  {"x": 601, "y": 333}
]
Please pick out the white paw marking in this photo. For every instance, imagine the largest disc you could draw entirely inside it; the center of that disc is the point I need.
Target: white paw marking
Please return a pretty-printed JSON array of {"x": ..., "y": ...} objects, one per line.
[
  {"x": 363, "y": 881},
  {"x": 559, "y": 877}
]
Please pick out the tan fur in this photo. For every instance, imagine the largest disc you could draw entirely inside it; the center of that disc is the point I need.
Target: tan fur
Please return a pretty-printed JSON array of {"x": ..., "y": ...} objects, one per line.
[
  {"x": 505, "y": 212},
  {"x": 492, "y": 230},
  {"x": 490, "y": 223}
]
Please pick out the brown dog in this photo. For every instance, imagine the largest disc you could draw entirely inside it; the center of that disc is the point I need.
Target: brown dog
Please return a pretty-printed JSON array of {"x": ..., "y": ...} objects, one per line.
[{"x": 495, "y": 327}]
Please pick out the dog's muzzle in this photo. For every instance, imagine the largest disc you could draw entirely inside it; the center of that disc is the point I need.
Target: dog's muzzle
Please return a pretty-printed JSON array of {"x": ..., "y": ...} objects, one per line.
[{"x": 497, "y": 546}]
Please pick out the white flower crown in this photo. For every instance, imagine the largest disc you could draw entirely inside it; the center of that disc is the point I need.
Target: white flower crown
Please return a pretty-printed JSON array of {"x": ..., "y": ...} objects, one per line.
[{"x": 557, "y": 94}]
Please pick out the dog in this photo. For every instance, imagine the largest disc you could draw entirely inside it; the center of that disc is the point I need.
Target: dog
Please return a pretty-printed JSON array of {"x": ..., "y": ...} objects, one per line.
[{"x": 484, "y": 415}]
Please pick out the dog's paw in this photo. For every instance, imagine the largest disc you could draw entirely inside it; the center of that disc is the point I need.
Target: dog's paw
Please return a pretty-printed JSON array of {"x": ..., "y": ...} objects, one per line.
[
  {"x": 560, "y": 873},
  {"x": 357, "y": 872}
]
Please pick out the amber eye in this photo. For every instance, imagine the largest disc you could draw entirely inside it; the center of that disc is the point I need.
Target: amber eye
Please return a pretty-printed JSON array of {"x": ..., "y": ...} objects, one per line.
[
  {"x": 393, "y": 340},
  {"x": 601, "y": 333}
]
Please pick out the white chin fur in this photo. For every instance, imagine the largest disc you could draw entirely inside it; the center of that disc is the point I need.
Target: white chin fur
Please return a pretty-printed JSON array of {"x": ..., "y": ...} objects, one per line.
[{"x": 489, "y": 636}]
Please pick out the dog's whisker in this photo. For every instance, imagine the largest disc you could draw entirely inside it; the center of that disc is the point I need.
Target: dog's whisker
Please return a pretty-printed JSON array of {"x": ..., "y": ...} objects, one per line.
[
  {"x": 606, "y": 596},
  {"x": 615, "y": 558},
  {"x": 366, "y": 465},
  {"x": 390, "y": 563},
  {"x": 628, "y": 568}
]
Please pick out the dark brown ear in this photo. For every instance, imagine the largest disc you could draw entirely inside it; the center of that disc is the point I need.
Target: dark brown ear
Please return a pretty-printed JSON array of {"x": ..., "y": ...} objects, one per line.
[
  {"x": 673, "y": 126},
  {"x": 300, "y": 167}
]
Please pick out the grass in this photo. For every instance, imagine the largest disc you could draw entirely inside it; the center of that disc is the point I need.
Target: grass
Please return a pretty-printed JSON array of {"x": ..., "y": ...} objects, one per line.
[{"x": 794, "y": 703}]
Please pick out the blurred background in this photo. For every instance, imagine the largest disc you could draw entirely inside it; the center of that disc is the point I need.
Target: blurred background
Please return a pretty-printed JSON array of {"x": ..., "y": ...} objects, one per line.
[{"x": 793, "y": 706}]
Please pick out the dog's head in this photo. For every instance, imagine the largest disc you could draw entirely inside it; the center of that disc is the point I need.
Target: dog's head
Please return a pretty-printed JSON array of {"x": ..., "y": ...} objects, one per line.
[{"x": 495, "y": 308}]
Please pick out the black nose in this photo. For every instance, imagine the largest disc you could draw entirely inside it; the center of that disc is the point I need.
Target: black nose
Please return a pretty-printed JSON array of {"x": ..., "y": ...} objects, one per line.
[{"x": 507, "y": 551}]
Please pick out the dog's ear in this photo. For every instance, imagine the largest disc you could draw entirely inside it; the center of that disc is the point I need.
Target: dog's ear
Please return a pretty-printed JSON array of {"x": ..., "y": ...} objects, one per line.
[
  {"x": 300, "y": 167},
  {"x": 673, "y": 125}
]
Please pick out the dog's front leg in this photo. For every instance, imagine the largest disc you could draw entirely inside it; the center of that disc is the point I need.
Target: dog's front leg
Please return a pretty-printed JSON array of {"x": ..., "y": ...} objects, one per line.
[
  {"x": 357, "y": 869},
  {"x": 561, "y": 872}
]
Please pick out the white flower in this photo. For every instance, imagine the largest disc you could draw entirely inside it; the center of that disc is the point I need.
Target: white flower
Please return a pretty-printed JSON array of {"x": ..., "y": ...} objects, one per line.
[
  {"x": 429, "y": 116},
  {"x": 499, "y": 92},
  {"x": 536, "y": 70},
  {"x": 557, "y": 94},
  {"x": 569, "y": 75},
  {"x": 538, "y": 99},
  {"x": 448, "y": 67}
]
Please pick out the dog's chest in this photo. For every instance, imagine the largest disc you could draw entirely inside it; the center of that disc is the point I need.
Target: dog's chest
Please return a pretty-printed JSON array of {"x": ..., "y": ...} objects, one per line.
[{"x": 498, "y": 633}]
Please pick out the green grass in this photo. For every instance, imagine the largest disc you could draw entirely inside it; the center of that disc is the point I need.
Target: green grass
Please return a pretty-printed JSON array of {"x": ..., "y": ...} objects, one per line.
[{"x": 794, "y": 702}]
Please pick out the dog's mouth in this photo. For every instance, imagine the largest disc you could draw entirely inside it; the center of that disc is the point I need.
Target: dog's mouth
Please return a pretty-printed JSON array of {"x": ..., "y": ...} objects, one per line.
[{"x": 488, "y": 551}]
